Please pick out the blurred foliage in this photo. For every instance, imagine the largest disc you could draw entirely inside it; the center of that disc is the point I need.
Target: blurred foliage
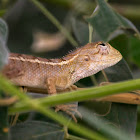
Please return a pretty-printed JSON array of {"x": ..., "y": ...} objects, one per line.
[
  {"x": 4, "y": 129},
  {"x": 39, "y": 130},
  {"x": 3, "y": 40},
  {"x": 25, "y": 19},
  {"x": 134, "y": 49},
  {"x": 108, "y": 27}
]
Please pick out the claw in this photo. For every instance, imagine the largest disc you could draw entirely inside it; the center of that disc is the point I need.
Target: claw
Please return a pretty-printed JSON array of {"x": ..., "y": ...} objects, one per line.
[
  {"x": 70, "y": 109},
  {"x": 105, "y": 83}
]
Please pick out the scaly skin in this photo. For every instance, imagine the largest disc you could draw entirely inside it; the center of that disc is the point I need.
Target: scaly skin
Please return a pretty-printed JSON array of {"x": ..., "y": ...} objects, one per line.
[
  {"x": 52, "y": 74},
  {"x": 59, "y": 74}
]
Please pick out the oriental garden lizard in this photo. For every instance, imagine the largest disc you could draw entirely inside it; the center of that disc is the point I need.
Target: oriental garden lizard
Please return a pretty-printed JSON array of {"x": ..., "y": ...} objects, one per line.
[{"x": 60, "y": 74}]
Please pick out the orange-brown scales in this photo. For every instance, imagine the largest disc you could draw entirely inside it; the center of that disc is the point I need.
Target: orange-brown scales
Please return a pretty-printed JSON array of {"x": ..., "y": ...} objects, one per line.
[{"x": 52, "y": 74}]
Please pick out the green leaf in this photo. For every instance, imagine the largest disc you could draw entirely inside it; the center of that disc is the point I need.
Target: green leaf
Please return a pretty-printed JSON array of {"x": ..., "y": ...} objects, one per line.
[
  {"x": 2, "y": 12},
  {"x": 3, "y": 60},
  {"x": 37, "y": 130},
  {"x": 121, "y": 43},
  {"x": 103, "y": 126},
  {"x": 3, "y": 39},
  {"x": 119, "y": 72},
  {"x": 135, "y": 50},
  {"x": 80, "y": 31},
  {"x": 123, "y": 115},
  {"x": 3, "y": 30},
  {"x": 108, "y": 24}
]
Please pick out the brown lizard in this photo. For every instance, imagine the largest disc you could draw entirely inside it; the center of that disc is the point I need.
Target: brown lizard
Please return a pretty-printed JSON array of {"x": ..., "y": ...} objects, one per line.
[{"x": 55, "y": 74}]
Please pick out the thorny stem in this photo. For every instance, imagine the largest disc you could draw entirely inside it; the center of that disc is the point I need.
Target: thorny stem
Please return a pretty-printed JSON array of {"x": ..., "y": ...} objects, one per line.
[{"x": 45, "y": 11}]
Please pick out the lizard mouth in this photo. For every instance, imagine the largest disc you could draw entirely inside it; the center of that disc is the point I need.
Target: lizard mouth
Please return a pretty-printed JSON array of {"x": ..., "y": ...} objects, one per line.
[
  {"x": 92, "y": 71},
  {"x": 99, "y": 68},
  {"x": 109, "y": 60}
]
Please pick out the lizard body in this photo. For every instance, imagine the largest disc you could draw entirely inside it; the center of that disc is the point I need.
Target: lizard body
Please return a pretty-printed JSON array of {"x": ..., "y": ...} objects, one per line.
[{"x": 53, "y": 74}]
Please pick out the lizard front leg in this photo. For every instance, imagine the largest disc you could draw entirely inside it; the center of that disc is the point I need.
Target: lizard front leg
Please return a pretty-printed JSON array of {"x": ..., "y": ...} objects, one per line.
[
  {"x": 50, "y": 82},
  {"x": 68, "y": 108}
]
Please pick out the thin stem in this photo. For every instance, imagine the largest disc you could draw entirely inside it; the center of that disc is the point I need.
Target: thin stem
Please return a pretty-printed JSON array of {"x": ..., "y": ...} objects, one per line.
[
  {"x": 90, "y": 32},
  {"x": 35, "y": 105},
  {"x": 7, "y": 102},
  {"x": 45, "y": 11},
  {"x": 73, "y": 126},
  {"x": 82, "y": 95},
  {"x": 93, "y": 79},
  {"x": 72, "y": 137},
  {"x": 131, "y": 12},
  {"x": 105, "y": 76},
  {"x": 15, "y": 119}
]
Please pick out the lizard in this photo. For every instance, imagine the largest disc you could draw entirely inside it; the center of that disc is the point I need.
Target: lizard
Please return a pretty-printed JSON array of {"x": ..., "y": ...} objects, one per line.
[{"x": 59, "y": 74}]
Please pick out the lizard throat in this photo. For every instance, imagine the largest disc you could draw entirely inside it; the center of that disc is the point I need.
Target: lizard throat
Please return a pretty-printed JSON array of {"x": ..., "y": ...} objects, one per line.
[{"x": 90, "y": 71}]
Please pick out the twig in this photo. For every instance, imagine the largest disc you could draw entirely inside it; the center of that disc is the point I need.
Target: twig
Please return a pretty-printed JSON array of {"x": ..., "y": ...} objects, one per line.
[
  {"x": 55, "y": 22},
  {"x": 127, "y": 97},
  {"x": 105, "y": 76},
  {"x": 7, "y": 102}
]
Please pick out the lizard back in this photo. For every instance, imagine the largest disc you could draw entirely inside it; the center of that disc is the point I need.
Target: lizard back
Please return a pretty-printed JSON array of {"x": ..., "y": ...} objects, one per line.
[{"x": 30, "y": 71}]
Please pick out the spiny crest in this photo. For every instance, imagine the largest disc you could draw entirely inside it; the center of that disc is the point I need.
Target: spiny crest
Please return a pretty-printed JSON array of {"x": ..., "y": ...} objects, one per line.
[{"x": 32, "y": 59}]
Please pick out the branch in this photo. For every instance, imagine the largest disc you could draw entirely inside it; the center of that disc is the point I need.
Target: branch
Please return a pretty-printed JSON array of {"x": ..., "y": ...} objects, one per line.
[{"x": 127, "y": 97}]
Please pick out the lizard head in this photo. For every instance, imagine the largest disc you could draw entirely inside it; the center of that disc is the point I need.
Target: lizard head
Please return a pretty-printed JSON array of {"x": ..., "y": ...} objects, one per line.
[{"x": 93, "y": 58}]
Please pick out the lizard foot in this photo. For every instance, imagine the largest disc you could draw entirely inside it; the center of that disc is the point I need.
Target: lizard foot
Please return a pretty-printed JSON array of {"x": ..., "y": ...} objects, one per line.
[
  {"x": 104, "y": 83},
  {"x": 70, "y": 109},
  {"x": 72, "y": 87}
]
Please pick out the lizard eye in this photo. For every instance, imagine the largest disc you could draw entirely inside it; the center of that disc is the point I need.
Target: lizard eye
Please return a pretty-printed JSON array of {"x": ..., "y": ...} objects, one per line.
[
  {"x": 102, "y": 44},
  {"x": 86, "y": 58}
]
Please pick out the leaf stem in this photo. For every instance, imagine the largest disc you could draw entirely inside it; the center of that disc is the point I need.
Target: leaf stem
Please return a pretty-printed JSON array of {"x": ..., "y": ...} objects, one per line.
[
  {"x": 73, "y": 126},
  {"x": 93, "y": 79},
  {"x": 81, "y": 95},
  {"x": 35, "y": 105},
  {"x": 72, "y": 137},
  {"x": 90, "y": 32},
  {"x": 105, "y": 76}
]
